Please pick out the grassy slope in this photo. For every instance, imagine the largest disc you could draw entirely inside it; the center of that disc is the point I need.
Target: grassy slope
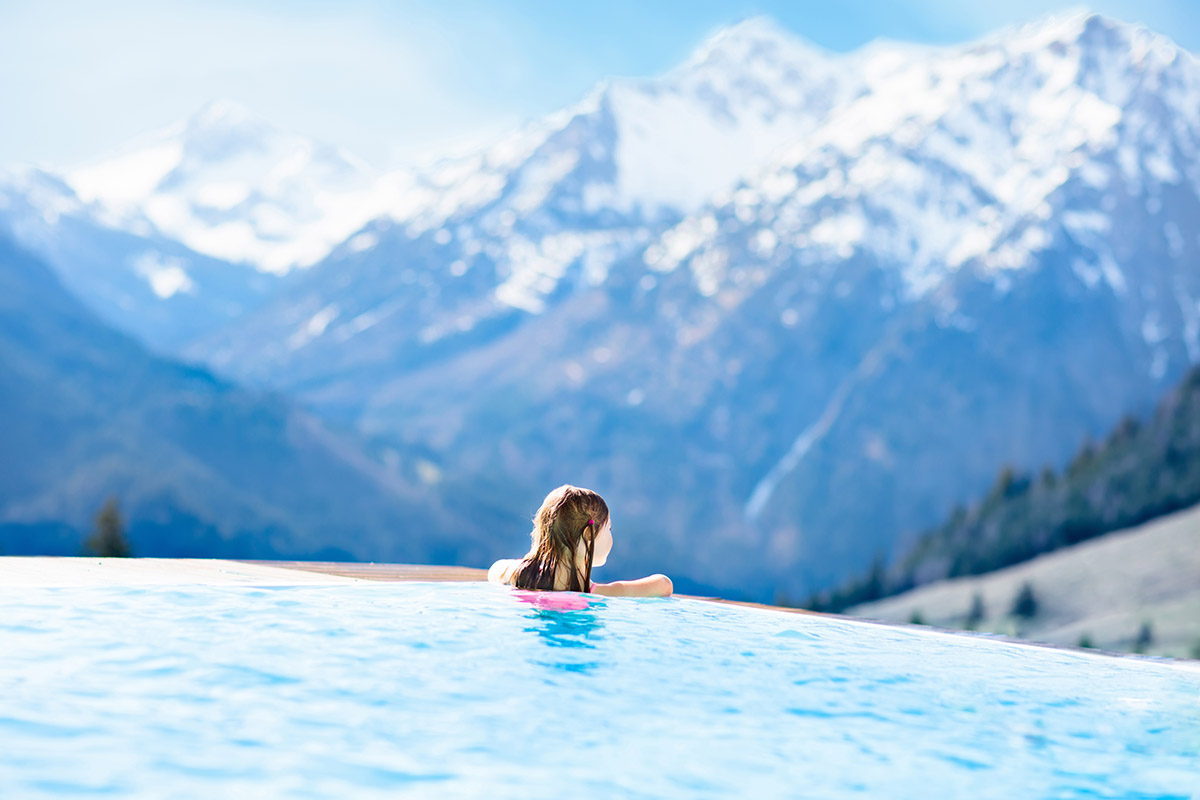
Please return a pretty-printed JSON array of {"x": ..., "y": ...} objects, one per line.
[
  {"x": 1104, "y": 589},
  {"x": 1142, "y": 471}
]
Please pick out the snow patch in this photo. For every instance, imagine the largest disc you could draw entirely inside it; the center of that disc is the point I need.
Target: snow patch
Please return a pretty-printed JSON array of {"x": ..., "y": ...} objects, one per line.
[
  {"x": 1153, "y": 331},
  {"x": 361, "y": 242},
  {"x": 221, "y": 195},
  {"x": 1174, "y": 239},
  {"x": 165, "y": 275},
  {"x": 127, "y": 179},
  {"x": 314, "y": 327}
]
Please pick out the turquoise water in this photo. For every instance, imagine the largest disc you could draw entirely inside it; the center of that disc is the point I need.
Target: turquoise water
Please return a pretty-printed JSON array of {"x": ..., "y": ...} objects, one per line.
[{"x": 469, "y": 690}]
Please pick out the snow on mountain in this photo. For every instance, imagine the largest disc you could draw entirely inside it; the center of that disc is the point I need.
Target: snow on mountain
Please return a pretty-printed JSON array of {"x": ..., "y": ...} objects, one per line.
[
  {"x": 685, "y": 136},
  {"x": 955, "y": 154},
  {"x": 232, "y": 186},
  {"x": 144, "y": 283},
  {"x": 550, "y": 209},
  {"x": 666, "y": 144}
]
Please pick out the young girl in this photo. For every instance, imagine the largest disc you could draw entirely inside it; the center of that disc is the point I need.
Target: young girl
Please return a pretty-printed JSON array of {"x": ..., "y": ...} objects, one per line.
[{"x": 571, "y": 534}]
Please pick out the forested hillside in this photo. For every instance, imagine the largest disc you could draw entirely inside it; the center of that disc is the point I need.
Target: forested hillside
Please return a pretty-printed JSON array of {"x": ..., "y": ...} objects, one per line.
[{"x": 1143, "y": 470}]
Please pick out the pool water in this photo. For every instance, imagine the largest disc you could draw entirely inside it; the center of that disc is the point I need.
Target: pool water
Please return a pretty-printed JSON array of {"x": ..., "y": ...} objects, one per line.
[{"x": 473, "y": 690}]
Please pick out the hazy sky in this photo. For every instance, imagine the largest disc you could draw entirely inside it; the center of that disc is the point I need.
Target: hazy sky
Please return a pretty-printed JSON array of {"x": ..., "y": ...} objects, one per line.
[{"x": 393, "y": 80}]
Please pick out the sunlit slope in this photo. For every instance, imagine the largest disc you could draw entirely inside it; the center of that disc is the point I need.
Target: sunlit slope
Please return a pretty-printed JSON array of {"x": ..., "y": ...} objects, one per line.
[{"x": 1103, "y": 591}]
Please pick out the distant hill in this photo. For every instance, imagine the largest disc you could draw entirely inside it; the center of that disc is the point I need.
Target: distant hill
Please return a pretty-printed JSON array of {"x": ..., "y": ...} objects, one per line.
[
  {"x": 1143, "y": 470},
  {"x": 200, "y": 466}
]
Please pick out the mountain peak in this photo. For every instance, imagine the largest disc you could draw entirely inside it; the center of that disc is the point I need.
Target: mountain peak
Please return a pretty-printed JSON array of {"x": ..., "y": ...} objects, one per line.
[
  {"x": 758, "y": 27},
  {"x": 753, "y": 37},
  {"x": 224, "y": 124}
]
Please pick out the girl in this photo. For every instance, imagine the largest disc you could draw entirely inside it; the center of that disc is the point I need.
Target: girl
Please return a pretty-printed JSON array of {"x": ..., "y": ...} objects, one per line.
[{"x": 571, "y": 534}]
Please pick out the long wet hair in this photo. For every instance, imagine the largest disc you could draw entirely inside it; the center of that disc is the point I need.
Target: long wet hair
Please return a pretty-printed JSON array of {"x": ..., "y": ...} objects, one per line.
[{"x": 567, "y": 516}]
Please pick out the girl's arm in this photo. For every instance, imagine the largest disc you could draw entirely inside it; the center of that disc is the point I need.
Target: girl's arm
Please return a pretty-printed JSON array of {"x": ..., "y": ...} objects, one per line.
[
  {"x": 651, "y": 586},
  {"x": 502, "y": 570}
]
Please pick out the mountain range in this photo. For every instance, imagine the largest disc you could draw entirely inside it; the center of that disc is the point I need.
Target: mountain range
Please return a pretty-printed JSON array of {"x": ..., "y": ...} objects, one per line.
[{"x": 783, "y": 308}]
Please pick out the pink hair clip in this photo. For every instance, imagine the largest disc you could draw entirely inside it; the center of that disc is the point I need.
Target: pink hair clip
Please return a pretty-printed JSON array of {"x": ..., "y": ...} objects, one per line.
[{"x": 591, "y": 522}]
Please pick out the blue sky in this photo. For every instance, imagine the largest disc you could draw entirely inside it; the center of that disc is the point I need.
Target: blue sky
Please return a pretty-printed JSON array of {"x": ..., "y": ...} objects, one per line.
[{"x": 394, "y": 80}]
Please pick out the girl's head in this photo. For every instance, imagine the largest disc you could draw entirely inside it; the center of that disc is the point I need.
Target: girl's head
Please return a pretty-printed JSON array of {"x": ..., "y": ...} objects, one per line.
[{"x": 571, "y": 534}]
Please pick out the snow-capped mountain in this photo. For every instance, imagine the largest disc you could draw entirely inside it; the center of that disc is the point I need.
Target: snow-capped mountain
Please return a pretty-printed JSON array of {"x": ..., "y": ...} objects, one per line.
[
  {"x": 783, "y": 308},
  {"x": 981, "y": 138},
  {"x": 938, "y": 260},
  {"x": 232, "y": 186}
]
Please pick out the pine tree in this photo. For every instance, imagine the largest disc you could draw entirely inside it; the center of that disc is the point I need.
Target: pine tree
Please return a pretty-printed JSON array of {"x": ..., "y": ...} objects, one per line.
[
  {"x": 1025, "y": 604},
  {"x": 874, "y": 588},
  {"x": 1086, "y": 641},
  {"x": 1047, "y": 478},
  {"x": 1145, "y": 638},
  {"x": 815, "y": 602},
  {"x": 976, "y": 613},
  {"x": 1126, "y": 429},
  {"x": 1003, "y": 486},
  {"x": 108, "y": 536},
  {"x": 1085, "y": 455}
]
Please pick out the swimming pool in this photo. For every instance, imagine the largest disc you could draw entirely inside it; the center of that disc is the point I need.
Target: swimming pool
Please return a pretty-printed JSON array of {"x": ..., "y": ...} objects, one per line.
[{"x": 471, "y": 690}]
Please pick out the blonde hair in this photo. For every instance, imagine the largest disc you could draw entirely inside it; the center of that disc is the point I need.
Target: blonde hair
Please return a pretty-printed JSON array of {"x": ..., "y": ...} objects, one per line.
[{"x": 567, "y": 516}]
